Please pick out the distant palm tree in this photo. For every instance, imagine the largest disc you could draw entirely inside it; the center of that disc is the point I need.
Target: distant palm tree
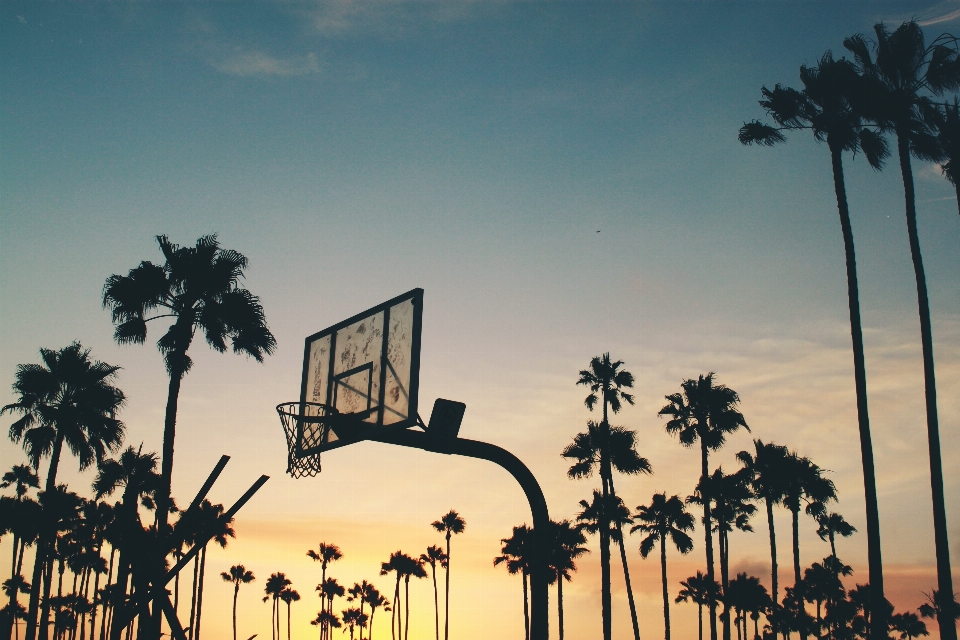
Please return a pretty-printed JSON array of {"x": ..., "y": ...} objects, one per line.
[
  {"x": 329, "y": 590},
  {"x": 209, "y": 521},
  {"x": 449, "y": 524},
  {"x": 745, "y": 594},
  {"x": 17, "y": 521},
  {"x": 832, "y": 524},
  {"x": 664, "y": 518},
  {"x": 359, "y": 591},
  {"x": 353, "y": 618},
  {"x": 376, "y": 601},
  {"x": 902, "y": 76},
  {"x": 238, "y": 575},
  {"x": 908, "y": 625},
  {"x": 199, "y": 288},
  {"x": 410, "y": 567},
  {"x": 704, "y": 412},
  {"x": 564, "y": 548},
  {"x": 289, "y": 596},
  {"x": 394, "y": 565},
  {"x": 432, "y": 556},
  {"x": 607, "y": 381},
  {"x": 70, "y": 400},
  {"x": 516, "y": 556},
  {"x": 766, "y": 468},
  {"x": 700, "y": 590},
  {"x": 326, "y": 620},
  {"x": 275, "y": 585},
  {"x": 325, "y": 554}
]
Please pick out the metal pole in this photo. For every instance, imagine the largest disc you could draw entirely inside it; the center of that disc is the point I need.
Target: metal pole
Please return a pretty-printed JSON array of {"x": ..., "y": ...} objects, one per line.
[{"x": 539, "y": 620}]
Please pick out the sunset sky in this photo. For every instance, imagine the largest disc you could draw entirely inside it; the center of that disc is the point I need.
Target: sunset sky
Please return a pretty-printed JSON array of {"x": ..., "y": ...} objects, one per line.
[{"x": 562, "y": 179}]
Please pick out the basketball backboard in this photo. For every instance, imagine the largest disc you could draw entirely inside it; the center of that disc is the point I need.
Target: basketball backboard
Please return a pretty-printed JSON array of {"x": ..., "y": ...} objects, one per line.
[{"x": 367, "y": 369}]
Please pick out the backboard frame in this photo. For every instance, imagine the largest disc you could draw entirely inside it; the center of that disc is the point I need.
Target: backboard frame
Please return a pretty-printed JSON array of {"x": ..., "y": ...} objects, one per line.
[{"x": 354, "y": 426}]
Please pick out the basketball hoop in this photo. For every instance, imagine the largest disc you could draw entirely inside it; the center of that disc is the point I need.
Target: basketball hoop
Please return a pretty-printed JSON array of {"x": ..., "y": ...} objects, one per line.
[{"x": 306, "y": 426}]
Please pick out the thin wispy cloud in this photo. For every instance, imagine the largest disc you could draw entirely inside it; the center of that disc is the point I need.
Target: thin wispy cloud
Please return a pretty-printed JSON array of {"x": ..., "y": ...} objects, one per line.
[
  {"x": 946, "y": 17},
  {"x": 260, "y": 64}
]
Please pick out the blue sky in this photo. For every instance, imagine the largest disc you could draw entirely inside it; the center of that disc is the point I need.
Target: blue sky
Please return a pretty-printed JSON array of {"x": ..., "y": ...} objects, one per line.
[{"x": 356, "y": 150}]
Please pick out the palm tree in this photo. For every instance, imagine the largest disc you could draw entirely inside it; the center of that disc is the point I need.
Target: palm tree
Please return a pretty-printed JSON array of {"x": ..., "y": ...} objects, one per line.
[
  {"x": 432, "y": 556},
  {"x": 617, "y": 446},
  {"x": 948, "y": 137},
  {"x": 766, "y": 469},
  {"x": 325, "y": 554},
  {"x": 409, "y": 567},
  {"x": 395, "y": 565},
  {"x": 329, "y": 590},
  {"x": 449, "y": 524},
  {"x": 908, "y": 625},
  {"x": 832, "y": 524},
  {"x": 824, "y": 107},
  {"x": 700, "y": 590},
  {"x": 70, "y": 400},
  {"x": 565, "y": 542},
  {"x": 607, "y": 382},
  {"x": 747, "y": 595},
  {"x": 17, "y": 521},
  {"x": 290, "y": 596},
  {"x": 704, "y": 412},
  {"x": 376, "y": 601},
  {"x": 238, "y": 575},
  {"x": 515, "y": 556},
  {"x": 199, "y": 287},
  {"x": 326, "y": 620},
  {"x": 935, "y": 606},
  {"x": 901, "y": 76},
  {"x": 664, "y": 518},
  {"x": 210, "y": 523},
  {"x": 275, "y": 585}
]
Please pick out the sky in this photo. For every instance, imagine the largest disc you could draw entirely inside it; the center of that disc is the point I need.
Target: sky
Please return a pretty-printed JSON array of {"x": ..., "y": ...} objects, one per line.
[{"x": 563, "y": 180}]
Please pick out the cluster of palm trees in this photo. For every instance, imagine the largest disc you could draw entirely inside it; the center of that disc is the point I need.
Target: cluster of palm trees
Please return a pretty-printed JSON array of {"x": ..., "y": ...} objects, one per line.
[
  {"x": 69, "y": 400},
  {"x": 704, "y": 414},
  {"x": 896, "y": 84}
]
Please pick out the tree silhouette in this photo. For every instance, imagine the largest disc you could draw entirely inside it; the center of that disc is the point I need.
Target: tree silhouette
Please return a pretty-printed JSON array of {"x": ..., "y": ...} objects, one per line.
[
  {"x": 448, "y": 525},
  {"x": 664, "y": 518},
  {"x": 908, "y": 625},
  {"x": 432, "y": 556},
  {"x": 700, "y": 590},
  {"x": 516, "y": 556},
  {"x": 290, "y": 596},
  {"x": 238, "y": 575},
  {"x": 948, "y": 137},
  {"x": 199, "y": 287},
  {"x": 325, "y": 554},
  {"x": 745, "y": 594},
  {"x": 902, "y": 75},
  {"x": 70, "y": 400},
  {"x": 832, "y": 524},
  {"x": 704, "y": 412},
  {"x": 562, "y": 551},
  {"x": 607, "y": 381},
  {"x": 19, "y": 518},
  {"x": 275, "y": 585},
  {"x": 376, "y": 601},
  {"x": 394, "y": 565}
]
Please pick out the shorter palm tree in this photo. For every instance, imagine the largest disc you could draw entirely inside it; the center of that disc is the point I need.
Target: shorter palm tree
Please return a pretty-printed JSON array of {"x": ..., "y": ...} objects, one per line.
[
  {"x": 746, "y": 595},
  {"x": 515, "y": 555},
  {"x": 451, "y": 523},
  {"x": 908, "y": 625},
  {"x": 664, "y": 518},
  {"x": 238, "y": 575},
  {"x": 354, "y": 618},
  {"x": 832, "y": 524},
  {"x": 275, "y": 585},
  {"x": 433, "y": 556},
  {"x": 326, "y": 620},
  {"x": 375, "y": 601},
  {"x": 564, "y": 548},
  {"x": 289, "y": 596},
  {"x": 700, "y": 590}
]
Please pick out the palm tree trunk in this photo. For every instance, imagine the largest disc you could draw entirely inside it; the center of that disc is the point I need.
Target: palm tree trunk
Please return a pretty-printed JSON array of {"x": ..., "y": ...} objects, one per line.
[
  {"x": 605, "y": 600},
  {"x": 560, "y": 604},
  {"x": 93, "y": 609},
  {"x": 396, "y": 611},
  {"x": 288, "y": 623},
  {"x": 948, "y": 629},
  {"x": 708, "y": 535},
  {"x": 193, "y": 599},
  {"x": 874, "y": 556},
  {"x": 43, "y": 546},
  {"x": 700, "y": 620},
  {"x": 10, "y": 620},
  {"x": 666, "y": 594},
  {"x": 724, "y": 542},
  {"x": 626, "y": 576},
  {"x": 406, "y": 599},
  {"x": 446, "y": 596},
  {"x": 105, "y": 604},
  {"x": 436, "y": 605},
  {"x": 236, "y": 590},
  {"x": 203, "y": 567},
  {"x": 43, "y": 631},
  {"x": 526, "y": 609},
  {"x": 798, "y": 581}
]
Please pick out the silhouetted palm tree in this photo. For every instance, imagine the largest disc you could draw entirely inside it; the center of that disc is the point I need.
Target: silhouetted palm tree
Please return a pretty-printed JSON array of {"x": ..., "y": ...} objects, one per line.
[
  {"x": 767, "y": 470},
  {"x": 432, "y": 556},
  {"x": 326, "y": 620},
  {"x": 275, "y": 585},
  {"x": 449, "y": 524},
  {"x": 903, "y": 74},
  {"x": 290, "y": 596},
  {"x": 359, "y": 591},
  {"x": 376, "y": 601},
  {"x": 238, "y": 575},
  {"x": 607, "y": 382},
  {"x": 700, "y": 590},
  {"x": 210, "y": 523},
  {"x": 747, "y": 595},
  {"x": 908, "y": 625},
  {"x": 704, "y": 412},
  {"x": 825, "y": 107},
  {"x": 70, "y": 400},
  {"x": 199, "y": 287},
  {"x": 394, "y": 565},
  {"x": 563, "y": 550},
  {"x": 325, "y": 554},
  {"x": 617, "y": 446},
  {"x": 516, "y": 556},
  {"x": 948, "y": 136},
  {"x": 19, "y": 522},
  {"x": 832, "y": 524},
  {"x": 664, "y": 518}
]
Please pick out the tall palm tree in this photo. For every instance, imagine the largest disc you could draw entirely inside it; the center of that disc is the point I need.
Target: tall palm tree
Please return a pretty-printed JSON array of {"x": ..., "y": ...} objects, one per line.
[
  {"x": 69, "y": 399},
  {"x": 451, "y": 523},
  {"x": 607, "y": 381},
  {"x": 614, "y": 447},
  {"x": 832, "y": 524},
  {"x": 329, "y": 590},
  {"x": 432, "y": 556},
  {"x": 516, "y": 556},
  {"x": 199, "y": 288},
  {"x": 565, "y": 542},
  {"x": 664, "y": 518},
  {"x": 825, "y": 108},
  {"x": 211, "y": 522},
  {"x": 289, "y": 596},
  {"x": 766, "y": 468},
  {"x": 701, "y": 591},
  {"x": 325, "y": 554},
  {"x": 704, "y": 412},
  {"x": 903, "y": 73},
  {"x": 274, "y": 586},
  {"x": 238, "y": 575},
  {"x": 375, "y": 600}
]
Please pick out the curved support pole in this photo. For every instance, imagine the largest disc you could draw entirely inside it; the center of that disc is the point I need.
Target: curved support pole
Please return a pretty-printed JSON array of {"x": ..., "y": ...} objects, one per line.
[{"x": 539, "y": 620}]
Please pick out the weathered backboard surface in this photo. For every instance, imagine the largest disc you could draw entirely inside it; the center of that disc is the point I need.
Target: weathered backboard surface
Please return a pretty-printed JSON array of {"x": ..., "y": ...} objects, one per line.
[{"x": 368, "y": 369}]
